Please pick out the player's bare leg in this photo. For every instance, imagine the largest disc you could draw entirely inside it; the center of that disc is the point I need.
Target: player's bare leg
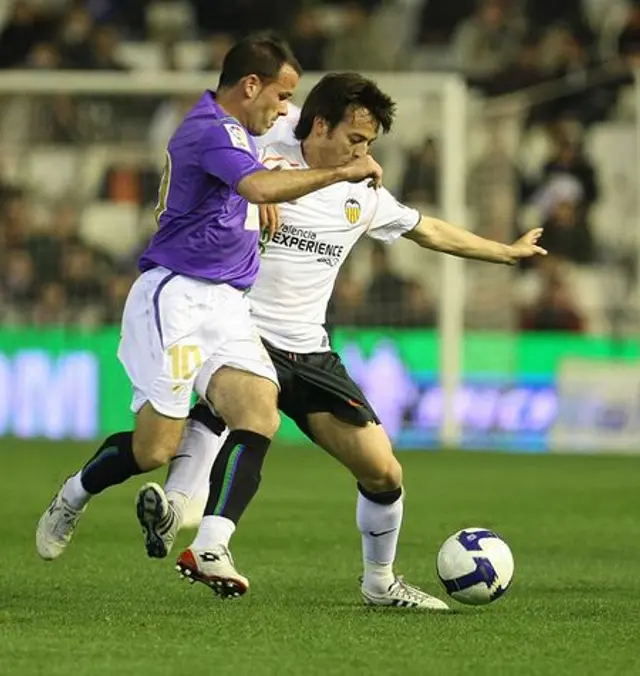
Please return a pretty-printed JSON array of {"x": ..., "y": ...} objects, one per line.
[
  {"x": 155, "y": 441},
  {"x": 121, "y": 456},
  {"x": 248, "y": 404},
  {"x": 367, "y": 453}
]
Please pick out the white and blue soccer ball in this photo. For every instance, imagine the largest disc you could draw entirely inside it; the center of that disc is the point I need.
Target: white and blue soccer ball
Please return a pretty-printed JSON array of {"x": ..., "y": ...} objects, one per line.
[{"x": 475, "y": 566}]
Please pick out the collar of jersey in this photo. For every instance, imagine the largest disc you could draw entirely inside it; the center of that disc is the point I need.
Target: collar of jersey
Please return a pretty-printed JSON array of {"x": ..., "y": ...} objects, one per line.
[
  {"x": 221, "y": 115},
  {"x": 300, "y": 154}
]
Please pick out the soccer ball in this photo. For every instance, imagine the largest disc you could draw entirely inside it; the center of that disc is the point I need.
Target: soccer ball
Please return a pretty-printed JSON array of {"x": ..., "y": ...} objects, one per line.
[{"x": 475, "y": 566}]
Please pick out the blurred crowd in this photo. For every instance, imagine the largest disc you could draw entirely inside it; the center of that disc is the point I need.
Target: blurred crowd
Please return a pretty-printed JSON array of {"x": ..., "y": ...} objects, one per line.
[
  {"x": 53, "y": 277},
  {"x": 513, "y": 43},
  {"x": 51, "y": 274}
]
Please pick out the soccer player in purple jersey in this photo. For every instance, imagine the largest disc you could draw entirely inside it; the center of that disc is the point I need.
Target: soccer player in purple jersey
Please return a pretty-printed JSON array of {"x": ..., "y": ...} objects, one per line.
[{"x": 186, "y": 323}]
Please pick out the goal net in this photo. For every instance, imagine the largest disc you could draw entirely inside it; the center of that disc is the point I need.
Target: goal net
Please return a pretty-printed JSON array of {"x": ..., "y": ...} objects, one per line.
[{"x": 572, "y": 349}]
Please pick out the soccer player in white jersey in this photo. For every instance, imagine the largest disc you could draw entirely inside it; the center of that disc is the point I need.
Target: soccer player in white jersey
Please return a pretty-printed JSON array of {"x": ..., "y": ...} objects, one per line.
[{"x": 340, "y": 119}]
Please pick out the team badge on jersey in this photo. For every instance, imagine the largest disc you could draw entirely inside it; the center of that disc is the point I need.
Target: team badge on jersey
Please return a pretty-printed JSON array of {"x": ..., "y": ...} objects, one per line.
[
  {"x": 238, "y": 136},
  {"x": 352, "y": 210}
]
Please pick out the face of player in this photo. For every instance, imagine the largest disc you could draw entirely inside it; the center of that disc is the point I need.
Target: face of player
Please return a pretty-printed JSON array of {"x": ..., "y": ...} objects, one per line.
[
  {"x": 268, "y": 100},
  {"x": 348, "y": 140}
]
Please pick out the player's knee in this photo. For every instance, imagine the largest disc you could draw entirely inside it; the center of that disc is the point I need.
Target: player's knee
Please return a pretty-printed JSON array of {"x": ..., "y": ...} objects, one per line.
[
  {"x": 258, "y": 410},
  {"x": 270, "y": 422},
  {"x": 261, "y": 418},
  {"x": 245, "y": 401},
  {"x": 156, "y": 438},
  {"x": 383, "y": 476},
  {"x": 149, "y": 457}
]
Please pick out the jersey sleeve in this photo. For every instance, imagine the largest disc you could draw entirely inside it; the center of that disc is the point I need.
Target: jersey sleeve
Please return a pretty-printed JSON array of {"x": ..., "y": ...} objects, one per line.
[
  {"x": 227, "y": 153},
  {"x": 391, "y": 219}
]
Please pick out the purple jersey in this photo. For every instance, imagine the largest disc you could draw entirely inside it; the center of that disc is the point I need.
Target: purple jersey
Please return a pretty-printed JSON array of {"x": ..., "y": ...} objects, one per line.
[{"x": 205, "y": 228}]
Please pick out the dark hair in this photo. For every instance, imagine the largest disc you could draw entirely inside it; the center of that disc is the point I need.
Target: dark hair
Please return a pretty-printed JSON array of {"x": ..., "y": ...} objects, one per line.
[
  {"x": 338, "y": 93},
  {"x": 262, "y": 54}
]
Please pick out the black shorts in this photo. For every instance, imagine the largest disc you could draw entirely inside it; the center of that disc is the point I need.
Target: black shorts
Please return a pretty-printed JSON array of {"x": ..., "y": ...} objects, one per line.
[{"x": 318, "y": 382}]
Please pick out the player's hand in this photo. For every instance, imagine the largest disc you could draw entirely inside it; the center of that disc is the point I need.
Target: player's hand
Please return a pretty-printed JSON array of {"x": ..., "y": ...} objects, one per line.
[
  {"x": 269, "y": 219},
  {"x": 361, "y": 169},
  {"x": 526, "y": 246}
]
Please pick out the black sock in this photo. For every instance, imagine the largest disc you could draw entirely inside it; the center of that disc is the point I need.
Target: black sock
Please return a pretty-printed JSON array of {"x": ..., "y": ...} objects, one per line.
[
  {"x": 383, "y": 498},
  {"x": 111, "y": 464},
  {"x": 235, "y": 475}
]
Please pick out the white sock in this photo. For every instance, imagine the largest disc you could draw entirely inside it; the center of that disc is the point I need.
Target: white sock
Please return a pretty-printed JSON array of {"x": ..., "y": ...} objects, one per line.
[
  {"x": 74, "y": 492},
  {"x": 380, "y": 529},
  {"x": 213, "y": 531},
  {"x": 189, "y": 470}
]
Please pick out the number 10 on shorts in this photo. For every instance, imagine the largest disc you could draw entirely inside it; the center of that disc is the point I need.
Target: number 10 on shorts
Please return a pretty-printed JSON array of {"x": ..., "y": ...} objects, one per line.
[{"x": 185, "y": 360}]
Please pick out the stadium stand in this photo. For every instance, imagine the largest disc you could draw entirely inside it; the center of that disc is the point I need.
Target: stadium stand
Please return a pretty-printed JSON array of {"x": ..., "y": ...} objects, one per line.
[{"x": 76, "y": 197}]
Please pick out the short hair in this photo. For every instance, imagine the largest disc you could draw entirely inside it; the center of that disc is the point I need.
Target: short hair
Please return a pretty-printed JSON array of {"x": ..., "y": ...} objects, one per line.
[
  {"x": 336, "y": 94},
  {"x": 261, "y": 54}
]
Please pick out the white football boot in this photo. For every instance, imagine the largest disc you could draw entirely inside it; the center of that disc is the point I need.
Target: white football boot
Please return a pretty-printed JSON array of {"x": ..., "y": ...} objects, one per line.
[
  {"x": 213, "y": 567},
  {"x": 56, "y": 527},
  {"x": 159, "y": 520},
  {"x": 403, "y": 595}
]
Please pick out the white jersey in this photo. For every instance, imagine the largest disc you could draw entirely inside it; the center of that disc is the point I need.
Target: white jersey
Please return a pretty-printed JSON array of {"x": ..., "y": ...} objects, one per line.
[{"x": 299, "y": 266}]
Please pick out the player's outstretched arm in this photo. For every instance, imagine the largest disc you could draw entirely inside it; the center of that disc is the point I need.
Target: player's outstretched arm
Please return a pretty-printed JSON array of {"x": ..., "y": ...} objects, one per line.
[
  {"x": 283, "y": 186},
  {"x": 432, "y": 233}
]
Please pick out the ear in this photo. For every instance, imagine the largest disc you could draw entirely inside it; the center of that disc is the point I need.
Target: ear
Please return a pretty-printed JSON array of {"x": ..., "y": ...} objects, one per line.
[
  {"x": 320, "y": 126},
  {"x": 252, "y": 85}
]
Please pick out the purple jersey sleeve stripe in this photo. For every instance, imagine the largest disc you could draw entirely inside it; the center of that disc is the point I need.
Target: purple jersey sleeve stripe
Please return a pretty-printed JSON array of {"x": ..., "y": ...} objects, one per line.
[{"x": 156, "y": 303}]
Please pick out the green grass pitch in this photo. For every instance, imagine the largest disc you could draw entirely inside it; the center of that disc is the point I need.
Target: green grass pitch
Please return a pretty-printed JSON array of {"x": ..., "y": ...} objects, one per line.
[{"x": 104, "y": 609}]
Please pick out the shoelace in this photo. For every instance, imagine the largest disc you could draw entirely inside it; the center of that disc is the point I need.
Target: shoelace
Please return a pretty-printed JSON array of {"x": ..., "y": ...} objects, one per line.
[
  {"x": 409, "y": 593},
  {"x": 66, "y": 523}
]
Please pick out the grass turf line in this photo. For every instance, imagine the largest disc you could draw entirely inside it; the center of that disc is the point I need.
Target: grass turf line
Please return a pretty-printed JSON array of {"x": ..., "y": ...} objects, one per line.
[{"x": 104, "y": 608}]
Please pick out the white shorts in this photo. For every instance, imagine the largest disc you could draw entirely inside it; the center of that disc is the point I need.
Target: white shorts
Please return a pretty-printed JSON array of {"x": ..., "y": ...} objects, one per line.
[{"x": 178, "y": 331}]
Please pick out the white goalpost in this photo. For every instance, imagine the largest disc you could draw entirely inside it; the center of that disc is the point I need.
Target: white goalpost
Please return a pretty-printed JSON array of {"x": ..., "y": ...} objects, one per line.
[{"x": 454, "y": 172}]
